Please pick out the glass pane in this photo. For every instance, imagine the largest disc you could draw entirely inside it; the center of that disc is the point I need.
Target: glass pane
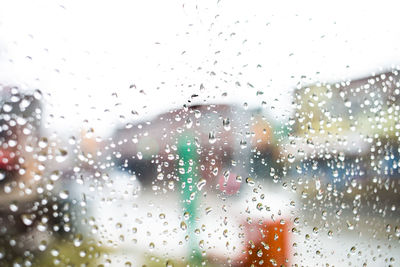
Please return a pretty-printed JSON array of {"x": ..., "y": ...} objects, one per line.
[{"x": 199, "y": 133}]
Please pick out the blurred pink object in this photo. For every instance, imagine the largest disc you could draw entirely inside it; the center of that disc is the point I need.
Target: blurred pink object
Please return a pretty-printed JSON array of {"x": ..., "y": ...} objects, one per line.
[{"x": 231, "y": 185}]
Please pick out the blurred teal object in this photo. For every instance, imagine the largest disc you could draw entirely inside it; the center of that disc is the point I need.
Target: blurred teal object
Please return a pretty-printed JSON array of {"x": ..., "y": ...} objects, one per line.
[{"x": 189, "y": 177}]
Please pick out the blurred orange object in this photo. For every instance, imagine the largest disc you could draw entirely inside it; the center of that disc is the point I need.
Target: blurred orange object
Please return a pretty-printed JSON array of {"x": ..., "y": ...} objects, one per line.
[
  {"x": 267, "y": 243},
  {"x": 262, "y": 137}
]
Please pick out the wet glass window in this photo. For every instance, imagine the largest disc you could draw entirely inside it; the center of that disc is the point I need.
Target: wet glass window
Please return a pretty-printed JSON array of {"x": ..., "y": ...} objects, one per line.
[{"x": 199, "y": 133}]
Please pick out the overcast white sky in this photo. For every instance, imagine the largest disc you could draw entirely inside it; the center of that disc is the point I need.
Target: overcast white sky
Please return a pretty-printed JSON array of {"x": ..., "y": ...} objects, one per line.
[{"x": 81, "y": 52}]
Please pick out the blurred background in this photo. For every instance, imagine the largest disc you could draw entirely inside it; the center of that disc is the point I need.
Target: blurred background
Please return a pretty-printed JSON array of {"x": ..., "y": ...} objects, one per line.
[{"x": 188, "y": 133}]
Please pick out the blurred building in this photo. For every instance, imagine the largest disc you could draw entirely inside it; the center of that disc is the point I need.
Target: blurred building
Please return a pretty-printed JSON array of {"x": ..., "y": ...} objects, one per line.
[
  {"x": 228, "y": 139},
  {"x": 347, "y": 133},
  {"x": 345, "y": 116}
]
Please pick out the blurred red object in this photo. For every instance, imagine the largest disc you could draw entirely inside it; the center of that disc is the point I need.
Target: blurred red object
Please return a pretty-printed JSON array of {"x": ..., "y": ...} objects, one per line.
[{"x": 7, "y": 160}]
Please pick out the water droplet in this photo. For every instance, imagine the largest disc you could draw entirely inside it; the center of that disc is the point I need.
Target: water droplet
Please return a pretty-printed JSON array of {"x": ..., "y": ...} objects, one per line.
[
  {"x": 151, "y": 246},
  {"x": 183, "y": 226},
  {"x": 189, "y": 123},
  {"x": 64, "y": 194},
  {"x": 7, "y": 107},
  {"x": 78, "y": 240},
  {"x": 201, "y": 243},
  {"x": 54, "y": 252},
  {"x": 43, "y": 142},
  {"x": 226, "y": 175},
  {"x": 55, "y": 175},
  {"x": 227, "y": 124},
  {"x": 27, "y": 219},
  {"x": 13, "y": 207},
  {"x": 61, "y": 155},
  {"x": 208, "y": 210},
  {"x": 37, "y": 94},
  {"x": 197, "y": 113},
  {"x": 212, "y": 137},
  {"x": 330, "y": 234},
  {"x": 201, "y": 184},
  {"x": 42, "y": 245},
  {"x": 160, "y": 176},
  {"x": 291, "y": 158},
  {"x": 250, "y": 181},
  {"x": 243, "y": 144}
]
